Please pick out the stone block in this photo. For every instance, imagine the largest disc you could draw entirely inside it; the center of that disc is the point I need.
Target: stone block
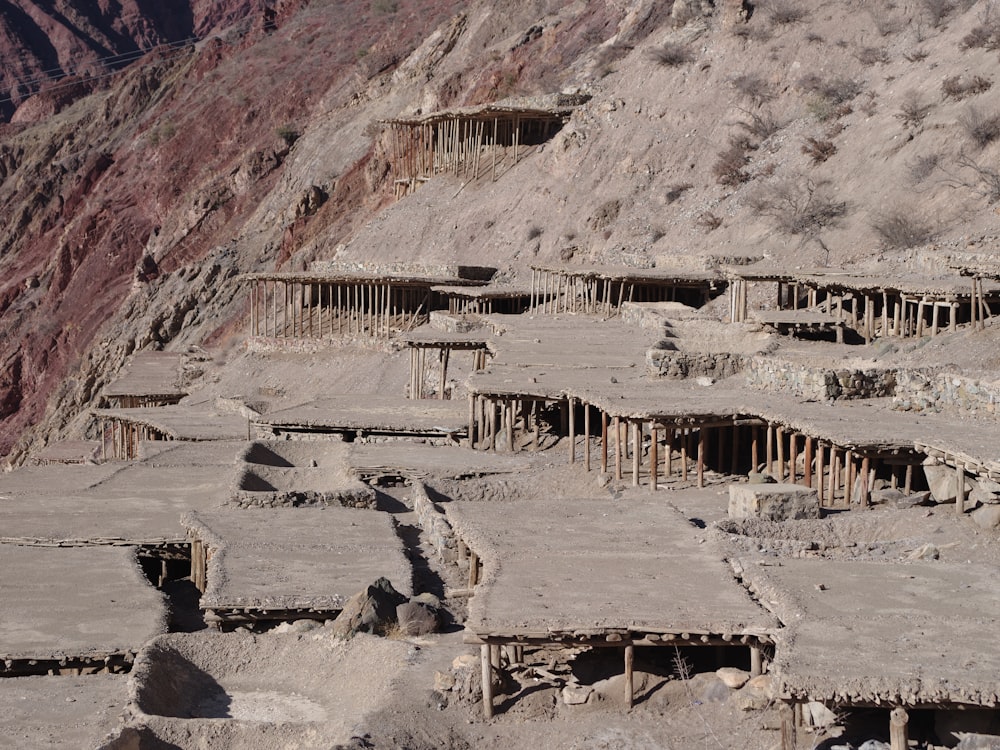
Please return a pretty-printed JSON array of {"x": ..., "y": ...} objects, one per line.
[{"x": 773, "y": 502}]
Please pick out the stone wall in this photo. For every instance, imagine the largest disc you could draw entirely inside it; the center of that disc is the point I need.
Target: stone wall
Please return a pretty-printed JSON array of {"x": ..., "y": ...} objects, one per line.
[
  {"x": 676, "y": 365},
  {"x": 356, "y": 497},
  {"x": 820, "y": 383},
  {"x": 920, "y": 390},
  {"x": 439, "y": 532}
]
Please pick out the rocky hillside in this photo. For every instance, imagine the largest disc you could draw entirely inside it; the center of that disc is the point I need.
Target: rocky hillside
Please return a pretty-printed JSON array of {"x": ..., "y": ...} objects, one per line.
[{"x": 814, "y": 133}]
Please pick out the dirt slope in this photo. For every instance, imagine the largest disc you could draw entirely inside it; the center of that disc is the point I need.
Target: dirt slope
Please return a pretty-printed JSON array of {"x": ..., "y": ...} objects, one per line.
[{"x": 808, "y": 132}]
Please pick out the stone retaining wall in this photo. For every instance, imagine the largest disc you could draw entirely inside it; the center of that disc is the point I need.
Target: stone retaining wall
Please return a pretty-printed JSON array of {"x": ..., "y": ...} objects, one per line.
[
  {"x": 920, "y": 390},
  {"x": 439, "y": 532},
  {"x": 675, "y": 365},
  {"x": 820, "y": 383},
  {"x": 359, "y": 497}
]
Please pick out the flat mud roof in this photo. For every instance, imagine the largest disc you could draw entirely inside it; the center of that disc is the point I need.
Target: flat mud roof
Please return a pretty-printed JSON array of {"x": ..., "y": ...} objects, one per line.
[
  {"x": 863, "y": 633},
  {"x": 383, "y": 415},
  {"x": 74, "y": 606},
  {"x": 600, "y": 566},
  {"x": 295, "y": 559},
  {"x": 50, "y": 713}
]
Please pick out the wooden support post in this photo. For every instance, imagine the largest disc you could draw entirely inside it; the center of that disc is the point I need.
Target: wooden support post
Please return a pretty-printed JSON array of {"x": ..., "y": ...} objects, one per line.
[
  {"x": 493, "y": 425},
  {"x": 701, "y": 456},
  {"x": 484, "y": 655},
  {"x": 685, "y": 436},
  {"x": 899, "y": 738},
  {"x": 756, "y": 661},
  {"x": 787, "y": 713},
  {"x": 780, "y": 441},
  {"x": 807, "y": 477},
  {"x": 629, "y": 677},
  {"x": 586, "y": 436},
  {"x": 848, "y": 478},
  {"x": 604, "y": 442},
  {"x": 793, "y": 456},
  {"x": 908, "y": 479},
  {"x": 769, "y": 449},
  {"x": 654, "y": 459},
  {"x": 473, "y": 569},
  {"x": 616, "y": 425},
  {"x": 959, "y": 488},
  {"x": 472, "y": 420},
  {"x": 636, "y": 451},
  {"x": 819, "y": 473},
  {"x": 571, "y": 424},
  {"x": 865, "y": 495},
  {"x": 734, "y": 453}
]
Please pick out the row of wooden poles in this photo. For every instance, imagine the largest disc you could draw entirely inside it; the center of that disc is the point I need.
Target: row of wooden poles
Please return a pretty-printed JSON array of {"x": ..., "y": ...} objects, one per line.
[
  {"x": 658, "y": 448},
  {"x": 555, "y": 291},
  {"x": 120, "y": 438},
  {"x": 456, "y": 145},
  {"x": 419, "y": 370},
  {"x": 886, "y": 313},
  {"x": 314, "y": 309},
  {"x": 508, "y": 305}
]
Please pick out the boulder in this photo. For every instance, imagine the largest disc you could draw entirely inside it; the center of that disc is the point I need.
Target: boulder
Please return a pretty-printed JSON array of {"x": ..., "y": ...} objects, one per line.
[
  {"x": 443, "y": 681},
  {"x": 732, "y": 677},
  {"x": 913, "y": 499},
  {"x": 773, "y": 502},
  {"x": 370, "y": 611},
  {"x": 941, "y": 481},
  {"x": 417, "y": 618},
  {"x": 986, "y": 516},
  {"x": 757, "y": 694}
]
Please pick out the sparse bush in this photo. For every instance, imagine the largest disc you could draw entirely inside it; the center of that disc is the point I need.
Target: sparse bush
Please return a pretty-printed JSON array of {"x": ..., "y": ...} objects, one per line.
[
  {"x": 912, "y": 110},
  {"x": 784, "y": 13},
  {"x": 986, "y": 34},
  {"x": 955, "y": 88},
  {"x": 752, "y": 88},
  {"x": 814, "y": 38},
  {"x": 982, "y": 129},
  {"x": 872, "y": 55},
  {"x": 671, "y": 54},
  {"x": 819, "y": 150},
  {"x": 730, "y": 167},
  {"x": 886, "y": 22},
  {"x": 800, "y": 207},
  {"x": 921, "y": 167},
  {"x": 916, "y": 55},
  {"x": 675, "y": 191},
  {"x": 938, "y": 10},
  {"x": 836, "y": 90},
  {"x": 384, "y": 7},
  {"x": 288, "y": 133},
  {"x": 901, "y": 228},
  {"x": 708, "y": 221},
  {"x": 983, "y": 180},
  {"x": 534, "y": 232},
  {"x": 761, "y": 125}
]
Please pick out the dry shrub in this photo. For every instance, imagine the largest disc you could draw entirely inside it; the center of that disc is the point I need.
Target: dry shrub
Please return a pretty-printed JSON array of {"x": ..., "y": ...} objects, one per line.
[
  {"x": 981, "y": 179},
  {"x": 986, "y": 34},
  {"x": 912, "y": 109},
  {"x": 901, "y": 228},
  {"x": 708, "y": 221},
  {"x": 730, "y": 167},
  {"x": 836, "y": 90},
  {"x": 872, "y": 55},
  {"x": 937, "y": 11},
  {"x": 922, "y": 167},
  {"x": 671, "y": 54},
  {"x": 761, "y": 125},
  {"x": 800, "y": 207},
  {"x": 982, "y": 129},
  {"x": 916, "y": 55},
  {"x": 957, "y": 88},
  {"x": 752, "y": 88},
  {"x": 818, "y": 150}
]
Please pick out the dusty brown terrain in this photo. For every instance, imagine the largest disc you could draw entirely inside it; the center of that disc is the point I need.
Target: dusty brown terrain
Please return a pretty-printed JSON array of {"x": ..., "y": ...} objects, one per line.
[{"x": 802, "y": 135}]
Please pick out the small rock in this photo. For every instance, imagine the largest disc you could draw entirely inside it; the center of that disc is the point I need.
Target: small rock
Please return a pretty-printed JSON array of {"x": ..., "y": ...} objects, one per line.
[
  {"x": 874, "y": 745},
  {"x": 705, "y": 381},
  {"x": 444, "y": 681},
  {"x": 465, "y": 661},
  {"x": 913, "y": 499},
  {"x": 575, "y": 695},
  {"x": 732, "y": 677}
]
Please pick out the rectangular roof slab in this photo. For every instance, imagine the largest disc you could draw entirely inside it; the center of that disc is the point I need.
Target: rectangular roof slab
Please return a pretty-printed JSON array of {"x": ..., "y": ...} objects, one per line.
[
  {"x": 149, "y": 374},
  {"x": 52, "y": 713},
  {"x": 371, "y": 413},
  {"x": 297, "y": 558},
  {"x": 860, "y": 633},
  {"x": 599, "y": 564},
  {"x": 75, "y": 602}
]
